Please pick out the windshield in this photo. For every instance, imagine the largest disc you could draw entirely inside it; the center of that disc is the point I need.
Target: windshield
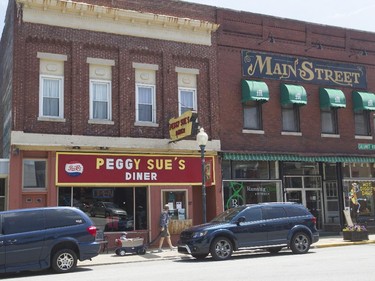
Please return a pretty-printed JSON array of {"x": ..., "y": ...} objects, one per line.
[{"x": 228, "y": 215}]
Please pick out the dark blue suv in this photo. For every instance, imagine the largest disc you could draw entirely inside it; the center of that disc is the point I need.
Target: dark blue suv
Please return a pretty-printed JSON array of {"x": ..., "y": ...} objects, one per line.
[
  {"x": 40, "y": 238},
  {"x": 270, "y": 226}
]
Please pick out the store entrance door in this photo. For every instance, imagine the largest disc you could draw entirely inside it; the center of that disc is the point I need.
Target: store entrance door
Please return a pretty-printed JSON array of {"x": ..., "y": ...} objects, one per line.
[{"x": 306, "y": 190}]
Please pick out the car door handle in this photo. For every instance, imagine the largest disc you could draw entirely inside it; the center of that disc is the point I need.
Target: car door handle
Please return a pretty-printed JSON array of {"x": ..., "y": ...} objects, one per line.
[{"x": 1, "y": 243}]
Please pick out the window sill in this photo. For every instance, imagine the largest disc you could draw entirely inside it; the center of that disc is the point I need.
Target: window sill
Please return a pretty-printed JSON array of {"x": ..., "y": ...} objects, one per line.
[
  {"x": 101, "y": 122},
  {"x": 146, "y": 124},
  {"x": 330, "y": 136},
  {"x": 363, "y": 137},
  {"x": 298, "y": 134},
  {"x": 51, "y": 119},
  {"x": 247, "y": 131}
]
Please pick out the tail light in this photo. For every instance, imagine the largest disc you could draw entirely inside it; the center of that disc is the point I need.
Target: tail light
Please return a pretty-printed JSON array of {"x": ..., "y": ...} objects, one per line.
[
  {"x": 313, "y": 220},
  {"x": 92, "y": 230}
]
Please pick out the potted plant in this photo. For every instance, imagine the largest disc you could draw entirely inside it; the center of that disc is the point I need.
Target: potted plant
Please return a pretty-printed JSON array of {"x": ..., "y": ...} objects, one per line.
[{"x": 355, "y": 232}]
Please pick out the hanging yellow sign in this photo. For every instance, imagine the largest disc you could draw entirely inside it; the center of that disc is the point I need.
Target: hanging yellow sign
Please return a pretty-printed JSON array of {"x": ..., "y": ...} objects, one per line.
[{"x": 182, "y": 126}]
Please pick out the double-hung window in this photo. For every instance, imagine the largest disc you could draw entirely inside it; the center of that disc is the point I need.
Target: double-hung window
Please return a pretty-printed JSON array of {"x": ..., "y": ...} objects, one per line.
[
  {"x": 100, "y": 100},
  {"x": 329, "y": 122},
  {"x": 187, "y": 89},
  {"x": 145, "y": 94},
  {"x": 290, "y": 117},
  {"x": 100, "y": 103},
  {"x": 187, "y": 100},
  {"x": 253, "y": 115},
  {"x": 51, "y": 86}
]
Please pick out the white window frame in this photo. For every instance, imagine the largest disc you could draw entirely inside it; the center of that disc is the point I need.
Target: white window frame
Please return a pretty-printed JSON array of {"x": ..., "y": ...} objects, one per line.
[
  {"x": 153, "y": 102},
  {"x": 60, "y": 79},
  {"x": 109, "y": 99},
  {"x": 194, "y": 92}
]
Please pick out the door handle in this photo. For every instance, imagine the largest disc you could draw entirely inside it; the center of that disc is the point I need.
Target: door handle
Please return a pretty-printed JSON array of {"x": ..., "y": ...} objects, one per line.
[{"x": 1, "y": 243}]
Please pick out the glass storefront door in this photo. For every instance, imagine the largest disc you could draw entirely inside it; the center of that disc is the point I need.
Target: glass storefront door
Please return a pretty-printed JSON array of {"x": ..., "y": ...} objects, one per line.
[{"x": 306, "y": 190}]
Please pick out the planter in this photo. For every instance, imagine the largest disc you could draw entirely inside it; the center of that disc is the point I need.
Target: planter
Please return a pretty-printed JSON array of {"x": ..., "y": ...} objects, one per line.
[{"x": 355, "y": 235}]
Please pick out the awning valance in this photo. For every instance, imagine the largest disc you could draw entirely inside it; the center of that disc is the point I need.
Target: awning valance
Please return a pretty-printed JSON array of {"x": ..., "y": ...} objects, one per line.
[
  {"x": 363, "y": 101},
  {"x": 254, "y": 91},
  {"x": 295, "y": 158},
  {"x": 293, "y": 94},
  {"x": 331, "y": 98}
]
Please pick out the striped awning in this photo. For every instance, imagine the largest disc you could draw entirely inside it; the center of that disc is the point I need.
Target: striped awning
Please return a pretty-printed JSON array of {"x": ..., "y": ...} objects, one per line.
[{"x": 295, "y": 158}]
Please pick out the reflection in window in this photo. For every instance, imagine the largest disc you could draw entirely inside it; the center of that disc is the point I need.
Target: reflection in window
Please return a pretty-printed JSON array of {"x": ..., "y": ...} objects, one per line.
[
  {"x": 34, "y": 173},
  {"x": 111, "y": 209}
]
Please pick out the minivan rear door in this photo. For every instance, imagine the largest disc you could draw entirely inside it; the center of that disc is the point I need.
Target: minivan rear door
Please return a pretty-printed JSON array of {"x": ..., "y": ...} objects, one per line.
[{"x": 23, "y": 239}]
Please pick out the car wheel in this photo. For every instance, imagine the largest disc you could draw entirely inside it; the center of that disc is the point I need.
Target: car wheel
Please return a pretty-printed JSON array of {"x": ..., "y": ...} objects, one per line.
[
  {"x": 64, "y": 261},
  {"x": 200, "y": 256},
  {"x": 300, "y": 243},
  {"x": 221, "y": 248},
  {"x": 141, "y": 251},
  {"x": 92, "y": 214},
  {"x": 122, "y": 252},
  {"x": 274, "y": 250}
]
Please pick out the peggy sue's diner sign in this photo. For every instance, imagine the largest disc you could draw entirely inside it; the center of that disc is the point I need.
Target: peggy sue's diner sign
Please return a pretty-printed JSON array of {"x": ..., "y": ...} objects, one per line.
[
  {"x": 82, "y": 169},
  {"x": 271, "y": 66}
]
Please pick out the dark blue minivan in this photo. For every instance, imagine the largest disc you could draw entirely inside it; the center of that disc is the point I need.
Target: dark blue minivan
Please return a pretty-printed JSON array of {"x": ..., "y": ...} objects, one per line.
[{"x": 41, "y": 238}]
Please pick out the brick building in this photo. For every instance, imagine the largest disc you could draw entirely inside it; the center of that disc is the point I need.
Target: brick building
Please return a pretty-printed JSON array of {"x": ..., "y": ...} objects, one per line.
[
  {"x": 88, "y": 90},
  {"x": 296, "y": 120}
]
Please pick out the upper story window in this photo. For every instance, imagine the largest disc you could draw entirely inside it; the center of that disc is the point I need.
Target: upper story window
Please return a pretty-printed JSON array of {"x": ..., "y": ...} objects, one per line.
[
  {"x": 290, "y": 117},
  {"x": 329, "y": 121},
  {"x": 100, "y": 72},
  {"x": 362, "y": 123},
  {"x": 330, "y": 101},
  {"x": 253, "y": 115},
  {"x": 51, "y": 86},
  {"x": 145, "y": 94},
  {"x": 292, "y": 97},
  {"x": 187, "y": 89},
  {"x": 254, "y": 94}
]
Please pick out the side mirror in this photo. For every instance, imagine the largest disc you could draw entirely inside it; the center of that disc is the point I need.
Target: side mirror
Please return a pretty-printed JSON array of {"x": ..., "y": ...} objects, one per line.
[{"x": 241, "y": 219}]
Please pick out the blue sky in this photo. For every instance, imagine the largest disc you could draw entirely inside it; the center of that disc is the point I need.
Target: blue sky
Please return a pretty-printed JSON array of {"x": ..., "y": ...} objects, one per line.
[{"x": 357, "y": 14}]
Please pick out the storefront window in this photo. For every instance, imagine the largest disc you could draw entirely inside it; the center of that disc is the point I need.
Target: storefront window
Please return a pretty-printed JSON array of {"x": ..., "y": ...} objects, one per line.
[
  {"x": 34, "y": 174},
  {"x": 238, "y": 193},
  {"x": 359, "y": 199},
  {"x": 111, "y": 209},
  {"x": 250, "y": 170},
  {"x": 176, "y": 200}
]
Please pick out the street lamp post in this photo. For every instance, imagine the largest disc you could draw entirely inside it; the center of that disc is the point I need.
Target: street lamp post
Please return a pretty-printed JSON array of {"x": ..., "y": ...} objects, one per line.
[{"x": 202, "y": 139}]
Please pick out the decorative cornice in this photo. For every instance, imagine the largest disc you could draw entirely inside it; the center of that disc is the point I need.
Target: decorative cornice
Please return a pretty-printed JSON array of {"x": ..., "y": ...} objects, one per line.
[{"x": 79, "y": 15}]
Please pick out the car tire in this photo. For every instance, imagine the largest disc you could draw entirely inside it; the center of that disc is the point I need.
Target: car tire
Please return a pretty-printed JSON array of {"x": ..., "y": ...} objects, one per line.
[
  {"x": 221, "y": 248},
  {"x": 64, "y": 260},
  {"x": 300, "y": 243},
  {"x": 122, "y": 252},
  {"x": 200, "y": 256},
  {"x": 274, "y": 250},
  {"x": 141, "y": 251}
]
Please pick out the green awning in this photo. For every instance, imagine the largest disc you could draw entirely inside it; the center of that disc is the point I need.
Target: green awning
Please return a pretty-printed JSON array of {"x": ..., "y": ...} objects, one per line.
[
  {"x": 331, "y": 98},
  {"x": 254, "y": 91},
  {"x": 363, "y": 101},
  {"x": 293, "y": 94},
  {"x": 295, "y": 158}
]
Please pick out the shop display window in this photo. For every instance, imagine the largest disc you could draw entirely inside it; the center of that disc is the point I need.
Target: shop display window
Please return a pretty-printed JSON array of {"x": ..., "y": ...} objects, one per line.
[
  {"x": 238, "y": 193},
  {"x": 2, "y": 194},
  {"x": 111, "y": 209},
  {"x": 34, "y": 174},
  {"x": 177, "y": 201},
  {"x": 360, "y": 198}
]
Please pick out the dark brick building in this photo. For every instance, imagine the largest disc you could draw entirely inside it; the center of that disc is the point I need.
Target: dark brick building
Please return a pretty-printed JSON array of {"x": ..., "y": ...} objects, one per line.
[
  {"x": 296, "y": 115},
  {"x": 87, "y": 92}
]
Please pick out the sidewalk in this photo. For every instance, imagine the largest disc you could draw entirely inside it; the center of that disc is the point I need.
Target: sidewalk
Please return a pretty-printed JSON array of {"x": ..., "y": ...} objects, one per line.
[{"x": 152, "y": 254}]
